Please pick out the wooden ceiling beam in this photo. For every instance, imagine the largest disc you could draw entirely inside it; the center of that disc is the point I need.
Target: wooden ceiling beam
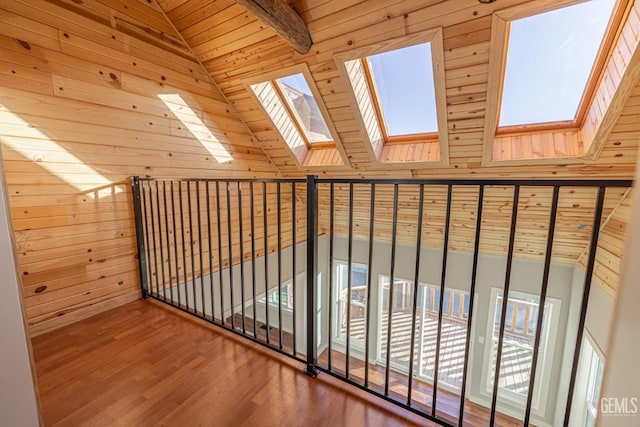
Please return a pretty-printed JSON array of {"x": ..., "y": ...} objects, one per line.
[{"x": 281, "y": 18}]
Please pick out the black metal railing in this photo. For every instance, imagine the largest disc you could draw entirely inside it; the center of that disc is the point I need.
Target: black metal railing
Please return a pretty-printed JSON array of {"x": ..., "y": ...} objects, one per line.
[
  {"x": 211, "y": 248},
  {"x": 183, "y": 226}
]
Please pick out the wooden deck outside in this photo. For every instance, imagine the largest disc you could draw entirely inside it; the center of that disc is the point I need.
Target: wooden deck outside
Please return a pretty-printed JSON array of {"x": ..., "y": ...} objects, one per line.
[{"x": 143, "y": 364}]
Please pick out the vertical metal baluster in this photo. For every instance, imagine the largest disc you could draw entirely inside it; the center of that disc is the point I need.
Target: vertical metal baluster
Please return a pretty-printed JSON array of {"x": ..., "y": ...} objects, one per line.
[
  {"x": 279, "y": 216},
  {"x": 244, "y": 328},
  {"x": 184, "y": 249},
  {"x": 543, "y": 299},
  {"x": 416, "y": 284},
  {"x": 220, "y": 258},
  {"x": 312, "y": 268},
  {"x": 208, "y": 196},
  {"x": 175, "y": 242},
  {"x": 505, "y": 302},
  {"x": 164, "y": 279},
  {"x": 330, "y": 308},
  {"x": 233, "y": 320},
  {"x": 142, "y": 257},
  {"x": 166, "y": 224},
  {"x": 200, "y": 248},
  {"x": 266, "y": 261},
  {"x": 148, "y": 247},
  {"x": 293, "y": 262},
  {"x": 394, "y": 231},
  {"x": 472, "y": 292},
  {"x": 443, "y": 277},
  {"x": 253, "y": 260},
  {"x": 193, "y": 255},
  {"x": 369, "y": 275},
  {"x": 593, "y": 248},
  {"x": 349, "y": 284},
  {"x": 153, "y": 237}
]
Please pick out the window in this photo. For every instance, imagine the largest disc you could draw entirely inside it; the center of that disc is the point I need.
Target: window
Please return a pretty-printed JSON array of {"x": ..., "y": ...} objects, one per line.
[
  {"x": 517, "y": 349},
  {"x": 350, "y": 308},
  {"x": 285, "y": 294},
  {"x": 402, "y": 85},
  {"x": 302, "y": 106},
  {"x": 554, "y": 73},
  {"x": 455, "y": 314},
  {"x": 295, "y": 108},
  {"x": 398, "y": 94},
  {"x": 550, "y": 59},
  {"x": 589, "y": 383}
]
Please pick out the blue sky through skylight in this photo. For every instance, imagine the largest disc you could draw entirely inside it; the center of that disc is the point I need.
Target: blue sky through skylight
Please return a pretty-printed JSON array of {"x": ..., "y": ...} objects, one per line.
[
  {"x": 405, "y": 89},
  {"x": 549, "y": 60}
]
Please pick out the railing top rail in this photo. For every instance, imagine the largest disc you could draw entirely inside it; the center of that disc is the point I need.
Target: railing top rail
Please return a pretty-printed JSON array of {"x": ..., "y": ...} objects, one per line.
[
  {"x": 267, "y": 180},
  {"x": 620, "y": 183},
  {"x": 487, "y": 182}
]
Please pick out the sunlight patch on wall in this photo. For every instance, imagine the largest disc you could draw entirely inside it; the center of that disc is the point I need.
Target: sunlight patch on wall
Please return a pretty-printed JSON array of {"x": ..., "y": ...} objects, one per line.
[
  {"x": 67, "y": 167},
  {"x": 200, "y": 131}
]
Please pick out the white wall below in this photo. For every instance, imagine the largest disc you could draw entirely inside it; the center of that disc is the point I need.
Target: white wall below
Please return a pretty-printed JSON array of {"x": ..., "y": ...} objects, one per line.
[{"x": 18, "y": 398}]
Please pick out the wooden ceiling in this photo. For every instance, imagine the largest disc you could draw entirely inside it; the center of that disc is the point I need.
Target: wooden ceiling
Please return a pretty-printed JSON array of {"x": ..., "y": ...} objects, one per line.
[{"x": 234, "y": 45}]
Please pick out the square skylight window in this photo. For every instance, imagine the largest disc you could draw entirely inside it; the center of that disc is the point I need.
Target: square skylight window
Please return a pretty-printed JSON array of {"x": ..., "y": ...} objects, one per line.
[
  {"x": 550, "y": 63},
  {"x": 404, "y": 91}
]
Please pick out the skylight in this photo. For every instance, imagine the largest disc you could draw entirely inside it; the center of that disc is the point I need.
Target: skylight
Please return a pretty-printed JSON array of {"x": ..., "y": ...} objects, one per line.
[
  {"x": 404, "y": 90},
  {"x": 294, "y": 105},
  {"x": 297, "y": 94},
  {"x": 549, "y": 62}
]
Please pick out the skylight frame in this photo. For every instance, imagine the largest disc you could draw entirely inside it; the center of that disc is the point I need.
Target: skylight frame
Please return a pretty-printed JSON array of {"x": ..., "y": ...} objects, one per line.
[
  {"x": 397, "y": 152},
  {"x": 612, "y": 33}
]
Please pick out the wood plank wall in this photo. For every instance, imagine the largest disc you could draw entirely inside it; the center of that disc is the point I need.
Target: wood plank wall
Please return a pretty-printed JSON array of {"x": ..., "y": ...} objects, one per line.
[
  {"x": 194, "y": 231},
  {"x": 79, "y": 113},
  {"x": 573, "y": 223}
]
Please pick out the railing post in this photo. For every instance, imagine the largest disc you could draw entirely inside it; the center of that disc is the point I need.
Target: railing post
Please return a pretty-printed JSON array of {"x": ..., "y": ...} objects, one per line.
[
  {"x": 312, "y": 267},
  {"x": 142, "y": 260}
]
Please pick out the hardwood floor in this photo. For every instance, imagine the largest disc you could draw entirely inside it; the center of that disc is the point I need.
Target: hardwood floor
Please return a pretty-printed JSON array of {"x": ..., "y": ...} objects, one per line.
[{"x": 145, "y": 365}]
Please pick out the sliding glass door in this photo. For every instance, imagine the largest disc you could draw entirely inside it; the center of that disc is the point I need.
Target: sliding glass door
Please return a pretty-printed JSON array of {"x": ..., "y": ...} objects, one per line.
[
  {"x": 453, "y": 332},
  {"x": 350, "y": 309}
]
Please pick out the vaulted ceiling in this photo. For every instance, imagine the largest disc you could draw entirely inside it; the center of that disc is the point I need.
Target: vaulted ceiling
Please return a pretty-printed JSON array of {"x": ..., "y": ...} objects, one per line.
[{"x": 233, "y": 45}]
